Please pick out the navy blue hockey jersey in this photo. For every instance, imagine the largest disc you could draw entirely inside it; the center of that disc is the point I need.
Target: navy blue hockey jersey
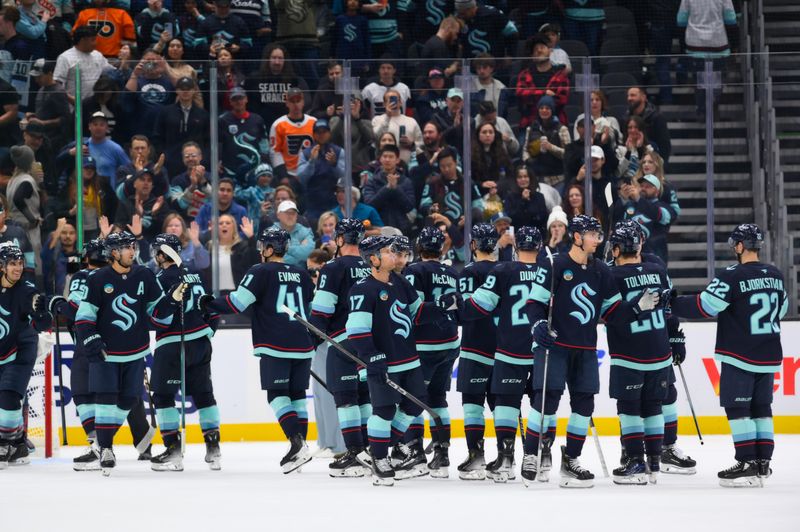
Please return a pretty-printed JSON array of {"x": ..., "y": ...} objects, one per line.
[
  {"x": 16, "y": 318},
  {"x": 122, "y": 308},
  {"x": 194, "y": 326},
  {"x": 432, "y": 279},
  {"x": 477, "y": 336},
  {"x": 507, "y": 291},
  {"x": 329, "y": 307},
  {"x": 269, "y": 286},
  {"x": 642, "y": 344},
  {"x": 749, "y": 301}
]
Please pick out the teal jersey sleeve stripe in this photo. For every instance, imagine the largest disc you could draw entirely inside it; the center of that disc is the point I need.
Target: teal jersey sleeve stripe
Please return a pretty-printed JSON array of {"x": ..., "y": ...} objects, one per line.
[
  {"x": 608, "y": 302},
  {"x": 413, "y": 307},
  {"x": 324, "y": 302},
  {"x": 540, "y": 294},
  {"x": 359, "y": 322},
  {"x": 486, "y": 299},
  {"x": 712, "y": 305},
  {"x": 242, "y": 298},
  {"x": 86, "y": 311},
  {"x": 785, "y": 306}
]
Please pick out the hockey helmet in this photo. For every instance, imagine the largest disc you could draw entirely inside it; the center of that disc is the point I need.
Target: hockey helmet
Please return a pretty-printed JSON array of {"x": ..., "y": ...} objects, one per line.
[
  {"x": 277, "y": 239},
  {"x": 351, "y": 229},
  {"x": 117, "y": 241},
  {"x": 165, "y": 239},
  {"x": 749, "y": 235},
  {"x": 583, "y": 223},
  {"x": 528, "y": 238},
  {"x": 626, "y": 237},
  {"x": 485, "y": 237},
  {"x": 430, "y": 239},
  {"x": 93, "y": 251},
  {"x": 10, "y": 252},
  {"x": 372, "y": 245}
]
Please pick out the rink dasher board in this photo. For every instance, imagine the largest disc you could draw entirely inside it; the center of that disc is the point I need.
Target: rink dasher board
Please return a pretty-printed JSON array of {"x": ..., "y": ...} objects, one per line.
[{"x": 246, "y": 415}]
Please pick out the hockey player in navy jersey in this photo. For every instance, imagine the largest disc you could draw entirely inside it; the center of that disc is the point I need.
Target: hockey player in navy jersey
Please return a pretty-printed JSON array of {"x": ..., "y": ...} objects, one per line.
[
  {"x": 477, "y": 352},
  {"x": 641, "y": 356},
  {"x": 749, "y": 300},
  {"x": 584, "y": 292},
  {"x": 329, "y": 313},
  {"x": 123, "y": 301},
  {"x": 166, "y": 376},
  {"x": 383, "y": 312},
  {"x": 23, "y": 313},
  {"x": 505, "y": 295},
  {"x": 437, "y": 345},
  {"x": 93, "y": 257},
  {"x": 673, "y": 459},
  {"x": 282, "y": 344}
]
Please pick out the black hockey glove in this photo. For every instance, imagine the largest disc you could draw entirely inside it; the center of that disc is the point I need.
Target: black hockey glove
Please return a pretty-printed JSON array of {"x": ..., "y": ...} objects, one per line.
[
  {"x": 450, "y": 302},
  {"x": 56, "y": 305},
  {"x": 376, "y": 367},
  {"x": 647, "y": 301},
  {"x": 38, "y": 304},
  {"x": 203, "y": 301},
  {"x": 95, "y": 348},
  {"x": 677, "y": 341},
  {"x": 543, "y": 335}
]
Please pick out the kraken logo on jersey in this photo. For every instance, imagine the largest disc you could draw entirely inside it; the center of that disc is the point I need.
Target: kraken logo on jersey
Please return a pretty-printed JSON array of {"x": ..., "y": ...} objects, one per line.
[
  {"x": 349, "y": 33},
  {"x": 453, "y": 202},
  {"x": 435, "y": 12},
  {"x": 477, "y": 42},
  {"x": 120, "y": 306},
  {"x": 296, "y": 11},
  {"x": 400, "y": 318},
  {"x": 5, "y": 328},
  {"x": 580, "y": 296}
]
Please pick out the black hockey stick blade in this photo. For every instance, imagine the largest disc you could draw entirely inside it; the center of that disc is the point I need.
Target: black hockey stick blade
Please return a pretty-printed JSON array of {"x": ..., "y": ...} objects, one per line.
[{"x": 396, "y": 387}]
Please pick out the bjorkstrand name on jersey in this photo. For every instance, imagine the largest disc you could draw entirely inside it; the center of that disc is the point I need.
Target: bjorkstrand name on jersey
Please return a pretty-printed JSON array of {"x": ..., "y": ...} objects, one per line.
[
  {"x": 289, "y": 277},
  {"x": 442, "y": 279},
  {"x": 644, "y": 279},
  {"x": 761, "y": 283}
]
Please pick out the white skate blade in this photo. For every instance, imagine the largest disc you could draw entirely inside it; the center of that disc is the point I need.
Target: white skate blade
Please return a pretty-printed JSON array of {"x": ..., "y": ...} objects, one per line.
[
  {"x": 675, "y": 470},
  {"x": 442, "y": 472},
  {"x": 419, "y": 470},
  {"x": 167, "y": 466},
  {"x": 86, "y": 466},
  {"x": 499, "y": 477},
  {"x": 652, "y": 478},
  {"x": 571, "y": 482},
  {"x": 214, "y": 464},
  {"x": 302, "y": 458},
  {"x": 106, "y": 471},
  {"x": 20, "y": 462},
  {"x": 350, "y": 472},
  {"x": 477, "y": 474},
  {"x": 364, "y": 459},
  {"x": 742, "y": 482},
  {"x": 377, "y": 481},
  {"x": 631, "y": 480}
]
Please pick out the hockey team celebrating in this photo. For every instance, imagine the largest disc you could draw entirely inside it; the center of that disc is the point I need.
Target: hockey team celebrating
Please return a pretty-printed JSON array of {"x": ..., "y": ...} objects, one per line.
[{"x": 395, "y": 328}]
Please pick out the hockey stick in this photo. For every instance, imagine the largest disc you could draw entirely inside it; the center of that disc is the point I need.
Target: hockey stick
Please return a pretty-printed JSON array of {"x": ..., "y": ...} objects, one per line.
[
  {"x": 61, "y": 382},
  {"x": 609, "y": 201},
  {"x": 396, "y": 387},
  {"x": 599, "y": 448},
  {"x": 176, "y": 259},
  {"x": 691, "y": 405},
  {"x": 542, "y": 430},
  {"x": 150, "y": 399},
  {"x": 319, "y": 380}
]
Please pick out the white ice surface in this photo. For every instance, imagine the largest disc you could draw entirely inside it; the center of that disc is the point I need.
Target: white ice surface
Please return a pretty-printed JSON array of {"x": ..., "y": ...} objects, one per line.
[{"x": 250, "y": 493}]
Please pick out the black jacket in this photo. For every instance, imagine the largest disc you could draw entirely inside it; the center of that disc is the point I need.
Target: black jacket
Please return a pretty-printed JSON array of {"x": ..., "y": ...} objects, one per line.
[{"x": 171, "y": 133}]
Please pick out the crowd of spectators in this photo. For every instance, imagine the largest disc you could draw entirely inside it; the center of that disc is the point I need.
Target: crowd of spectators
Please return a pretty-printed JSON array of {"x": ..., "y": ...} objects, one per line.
[{"x": 145, "y": 103}]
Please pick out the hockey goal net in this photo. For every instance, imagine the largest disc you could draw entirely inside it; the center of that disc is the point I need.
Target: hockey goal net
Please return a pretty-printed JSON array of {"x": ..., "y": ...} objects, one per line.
[{"x": 38, "y": 409}]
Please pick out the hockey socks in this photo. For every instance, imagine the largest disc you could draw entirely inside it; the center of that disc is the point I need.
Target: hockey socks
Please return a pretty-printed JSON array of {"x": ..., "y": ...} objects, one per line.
[
  {"x": 300, "y": 409},
  {"x": 577, "y": 428},
  {"x": 10, "y": 424},
  {"x": 168, "y": 422},
  {"x": 350, "y": 425},
  {"x": 108, "y": 420},
  {"x": 400, "y": 424},
  {"x": 209, "y": 419},
  {"x": 474, "y": 424},
  {"x": 366, "y": 411},
  {"x": 764, "y": 437},
  {"x": 653, "y": 435},
  {"x": 379, "y": 431},
  {"x": 533, "y": 430},
  {"x": 86, "y": 413},
  {"x": 441, "y": 433},
  {"x": 632, "y": 434},
  {"x": 286, "y": 414},
  {"x": 744, "y": 431},
  {"x": 506, "y": 419},
  {"x": 415, "y": 430},
  {"x": 670, "y": 412}
]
